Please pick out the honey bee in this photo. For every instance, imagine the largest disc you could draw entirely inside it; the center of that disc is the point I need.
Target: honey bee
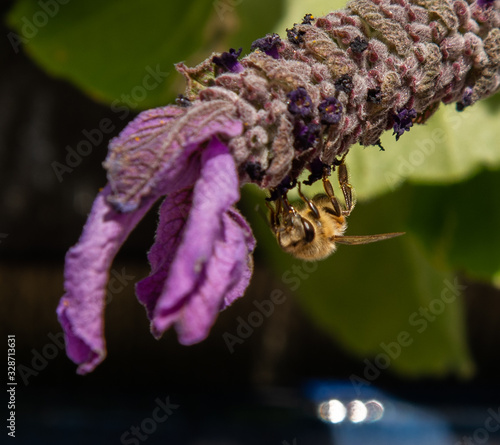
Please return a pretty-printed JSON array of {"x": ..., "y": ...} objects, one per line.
[{"x": 312, "y": 232}]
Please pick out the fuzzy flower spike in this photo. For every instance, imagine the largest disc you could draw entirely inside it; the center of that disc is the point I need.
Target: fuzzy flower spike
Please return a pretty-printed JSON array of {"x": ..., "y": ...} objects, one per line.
[{"x": 290, "y": 105}]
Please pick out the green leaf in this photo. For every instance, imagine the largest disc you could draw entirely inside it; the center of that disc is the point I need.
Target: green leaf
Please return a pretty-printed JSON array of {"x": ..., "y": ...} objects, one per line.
[
  {"x": 297, "y": 9},
  {"x": 110, "y": 49},
  {"x": 255, "y": 19},
  {"x": 379, "y": 297},
  {"x": 451, "y": 147},
  {"x": 458, "y": 225}
]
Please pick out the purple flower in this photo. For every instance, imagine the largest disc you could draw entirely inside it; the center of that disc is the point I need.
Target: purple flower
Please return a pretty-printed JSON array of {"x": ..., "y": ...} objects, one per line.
[
  {"x": 299, "y": 102},
  {"x": 228, "y": 61},
  {"x": 403, "y": 121},
  {"x": 269, "y": 44},
  {"x": 466, "y": 99},
  {"x": 485, "y": 3},
  {"x": 306, "y": 135},
  {"x": 200, "y": 259},
  {"x": 330, "y": 110}
]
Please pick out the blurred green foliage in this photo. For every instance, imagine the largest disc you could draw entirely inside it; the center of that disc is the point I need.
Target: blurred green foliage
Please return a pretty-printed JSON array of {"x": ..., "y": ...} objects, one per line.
[
  {"x": 109, "y": 48},
  {"x": 367, "y": 297}
]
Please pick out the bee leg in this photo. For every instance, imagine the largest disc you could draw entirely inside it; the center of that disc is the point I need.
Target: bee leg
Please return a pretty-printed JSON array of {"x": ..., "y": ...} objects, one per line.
[
  {"x": 287, "y": 208},
  {"x": 345, "y": 187},
  {"x": 327, "y": 185},
  {"x": 309, "y": 203}
]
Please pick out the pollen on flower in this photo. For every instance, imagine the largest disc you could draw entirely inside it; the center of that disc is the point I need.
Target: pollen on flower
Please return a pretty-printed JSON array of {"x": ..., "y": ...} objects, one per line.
[
  {"x": 330, "y": 110},
  {"x": 295, "y": 36},
  {"x": 137, "y": 138},
  {"x": 308, "y": 18},
  {"x": 300, "y": 102}
]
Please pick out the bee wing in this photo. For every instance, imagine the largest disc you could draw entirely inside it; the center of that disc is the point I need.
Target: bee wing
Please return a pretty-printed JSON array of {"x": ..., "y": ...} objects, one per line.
[{"x": 365, "y": 239}]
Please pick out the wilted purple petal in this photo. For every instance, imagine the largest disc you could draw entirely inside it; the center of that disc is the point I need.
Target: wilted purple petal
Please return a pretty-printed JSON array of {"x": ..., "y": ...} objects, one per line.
[
  {"x": 246, "y": 266},
  {"x": 226, "y": 276},
  {"x": 174, "y": 212},
  {"x": 80, "y": 310},
  {"x": 214, "y": 194},
  {"x": 152, "y": 153}
]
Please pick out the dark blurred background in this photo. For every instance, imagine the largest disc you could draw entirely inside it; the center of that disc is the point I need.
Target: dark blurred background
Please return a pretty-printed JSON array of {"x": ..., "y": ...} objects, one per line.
[{"x": 254, "y": 395}]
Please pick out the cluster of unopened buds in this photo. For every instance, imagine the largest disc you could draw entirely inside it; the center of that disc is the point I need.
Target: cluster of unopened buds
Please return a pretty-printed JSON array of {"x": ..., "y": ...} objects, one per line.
[{"x": 289, "y": 106}]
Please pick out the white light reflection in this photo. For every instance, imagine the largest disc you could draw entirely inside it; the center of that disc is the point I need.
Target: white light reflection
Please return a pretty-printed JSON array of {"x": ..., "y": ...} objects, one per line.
[
  {"x": 375, "y": 410},
  {"x": 357, "y": 411},
  {"x": 332, "y": 411}
]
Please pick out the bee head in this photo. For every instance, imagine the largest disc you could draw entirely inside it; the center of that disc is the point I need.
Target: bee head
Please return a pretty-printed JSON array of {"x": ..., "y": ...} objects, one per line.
[{"x": 294, "y": 231}]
